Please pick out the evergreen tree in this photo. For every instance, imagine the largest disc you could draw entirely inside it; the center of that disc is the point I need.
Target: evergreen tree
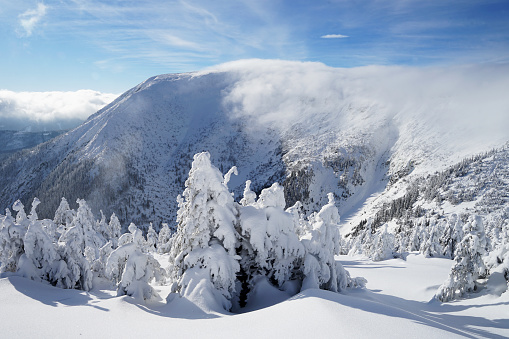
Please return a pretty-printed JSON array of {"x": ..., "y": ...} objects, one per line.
[
  {"x": 64, "y": 215},
  {"x": 164, "y": 239},
  {"x": 132, "y": 270},
  {"x": 432, "y": 246},
  {"x": 203, "y": 253},
  {"x": 11, "y": 241},
  {"x": 151, "y": 239},
  {"x": 270, "y": 245},
  {"x": 383, "y": 244},
  {"x": 468, "y": 263},
  {"x": 322, "y": 243},
  {"x": 114, "y": 230},
  {"x": 101, "y": 227},
  {"x": 73, "y": 247}
]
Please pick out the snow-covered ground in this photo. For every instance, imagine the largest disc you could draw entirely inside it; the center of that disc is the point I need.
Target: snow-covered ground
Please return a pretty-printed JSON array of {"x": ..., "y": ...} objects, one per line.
[{"x": 396, "y": 304}]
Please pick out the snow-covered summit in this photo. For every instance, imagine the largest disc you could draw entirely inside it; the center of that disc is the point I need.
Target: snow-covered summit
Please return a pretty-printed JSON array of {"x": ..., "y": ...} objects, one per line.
[{"x": 313, "y": 128}]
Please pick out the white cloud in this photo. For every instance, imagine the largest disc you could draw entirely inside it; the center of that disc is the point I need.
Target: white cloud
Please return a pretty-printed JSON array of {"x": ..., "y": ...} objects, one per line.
[
  {"x": 49, "y": 110},
  {"x": 29, "y": 19},
  {"x": 443, "y": 109},
  {"x": 334, "y": 36}
]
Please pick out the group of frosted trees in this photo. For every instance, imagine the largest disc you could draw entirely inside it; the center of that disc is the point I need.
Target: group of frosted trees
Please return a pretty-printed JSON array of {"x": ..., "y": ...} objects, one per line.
[
  {"x": 464, "y": 242},
  {"x": 221, "y": 250},
  {"x": 73, "y": 247}
]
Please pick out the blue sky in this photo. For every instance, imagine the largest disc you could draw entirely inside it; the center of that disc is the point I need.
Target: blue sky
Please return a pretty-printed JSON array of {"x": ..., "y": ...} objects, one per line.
[{"x": 110, "y": 46}]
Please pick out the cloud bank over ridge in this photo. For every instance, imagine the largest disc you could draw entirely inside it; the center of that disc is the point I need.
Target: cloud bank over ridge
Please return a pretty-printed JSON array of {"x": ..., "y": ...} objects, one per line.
[{"x": 36, "y": 111}]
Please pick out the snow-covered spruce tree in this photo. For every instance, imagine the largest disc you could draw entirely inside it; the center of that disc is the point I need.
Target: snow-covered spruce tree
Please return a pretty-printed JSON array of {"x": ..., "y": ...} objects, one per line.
[
  {"x": 114, "y": 230},
  {"x": 382, "y": 245},
  {"x": 249, "y": 197},
  {"x": 164, "y": 239},
  {"x": 40, "y": 260},
  {"x": 64, "y": 215},
  {"x": 101, "y": 227},
  {"x": 151, "y": 239},
  {"x": 12, "y": 233},
  {"x": 362, "y": 243},
  {"x": 402, "y": 238},
  {"x": 498, "y": 259},
  {"x": 451, "y": 236},
  {"x": 132, "y": 270},
  {"x": 270, "y": 246},
  {"x": 468, "y": 262},
  {"x": 73, "y": 246},
  {"x": 21, "y": 216},
  {"x": 432, "y": 246},
  {"x": 28, "y": 247},
  {"x": 419, "y": 235},
  {"x": 203, "y": 260},
  {"x": 320, "y": 269},
  {"x": 99, "y": 264}
]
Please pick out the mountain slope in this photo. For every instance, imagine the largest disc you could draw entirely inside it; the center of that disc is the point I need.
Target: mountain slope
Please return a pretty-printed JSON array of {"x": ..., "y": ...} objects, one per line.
[
  {"x": 13, "y": 141},
  {"x": 313, "y": 128}
]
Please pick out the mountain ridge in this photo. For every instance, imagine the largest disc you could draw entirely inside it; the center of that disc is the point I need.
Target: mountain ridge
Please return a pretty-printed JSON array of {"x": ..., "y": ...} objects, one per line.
[{"x": 311, "y": 127}]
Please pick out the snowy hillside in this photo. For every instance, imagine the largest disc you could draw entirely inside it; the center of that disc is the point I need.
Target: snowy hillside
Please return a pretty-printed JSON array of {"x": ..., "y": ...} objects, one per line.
[
  {"x": 313, "y": 128},
  {"x": 387, "y": 309},
  {"x": 13, "y": 141}
]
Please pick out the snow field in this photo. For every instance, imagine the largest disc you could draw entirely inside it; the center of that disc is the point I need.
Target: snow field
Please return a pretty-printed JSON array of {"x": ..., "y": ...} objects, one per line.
[{"x": 395, "y": 304}]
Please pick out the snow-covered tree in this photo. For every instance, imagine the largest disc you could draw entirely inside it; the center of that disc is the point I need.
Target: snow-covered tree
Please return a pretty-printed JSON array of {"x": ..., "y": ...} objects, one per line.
[
  {"x": 468, "y": 262},
  {"x": 114, "y": 230},
  {"x": 101, "y": 227},
  {"x": 498, "y": 259},
  {"x": 40, "y": 260},
  {"x": 322, "y": 243},
  {"x": 249, "y": 197},
  {"x": 204, "y": 246},
  {"x": 63, "y": 216},
  {"x": 382, "y": 245},
  {"x": 21, "y": 216},
  {"x": 432, "y": 246},
  {"x": 363, "y": 241},
  {"x": 98, "y": 265},
  {"x": 270, "y": 244},
  {"x": 451, "y": 236},
  {"x": 419, "y": 235},
  {"x": 29, "y": 248},
  {"x": 125, "y": 238},
  {"x": 151, "y": 239},
  {"x": 164, "y": 239},
  {"x": 11, "y": 240},
  {"x": 80, "y": 239},
  {"x": 133, "y": 270}
]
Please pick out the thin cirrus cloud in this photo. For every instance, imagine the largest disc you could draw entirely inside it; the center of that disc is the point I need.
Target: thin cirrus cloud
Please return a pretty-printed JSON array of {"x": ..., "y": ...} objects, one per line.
[
  {"x": 334, "y": 36},
  {"x": 125, "y": 42},
  {"x": 30, "y": 18}
]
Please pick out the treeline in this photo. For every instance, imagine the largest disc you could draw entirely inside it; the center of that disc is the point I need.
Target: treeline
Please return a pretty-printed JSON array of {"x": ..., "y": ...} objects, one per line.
[
  {"x": 219, "y": 252},
  {"x": 477, "y": 237}
]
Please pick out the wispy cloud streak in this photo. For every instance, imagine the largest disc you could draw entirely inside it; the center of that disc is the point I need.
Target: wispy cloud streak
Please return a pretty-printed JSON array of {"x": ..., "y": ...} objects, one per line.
[
  {"x": 29, "y": 19},
  {"x": 334, "y": 36}
]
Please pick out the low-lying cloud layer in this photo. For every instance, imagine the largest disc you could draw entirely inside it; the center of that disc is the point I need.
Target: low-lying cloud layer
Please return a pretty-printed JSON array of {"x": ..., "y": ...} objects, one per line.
[
  {"x": 431, "y": 110},
  {"x": 37, "y": 111}
]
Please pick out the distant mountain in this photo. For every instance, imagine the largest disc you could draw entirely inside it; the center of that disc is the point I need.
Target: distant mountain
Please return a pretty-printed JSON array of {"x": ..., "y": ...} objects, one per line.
[{"x": 314, "y": 129}]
